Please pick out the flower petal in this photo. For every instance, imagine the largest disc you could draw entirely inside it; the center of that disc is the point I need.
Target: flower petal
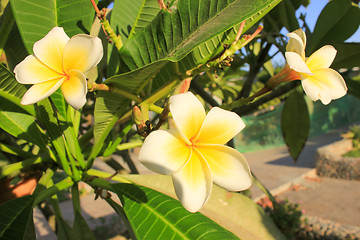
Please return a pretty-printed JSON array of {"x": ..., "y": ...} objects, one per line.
[
  {"x": 83, "y": 52},
  {"x": 74, "y": 89},
  {"x": 49, "y": 49},
  {"x": 32, "y": 71},
  {"x": 322, "y": 58},
  {"x": 188, "y": 114},
  {"x": 296, "y": 63},
  {"x": 40, "y": 91},
  {"x": 326, "y": 84},
  {"x": 193, "y": 183},
  {"x": 164, "y": 151},
  {"x": 229, "y": 168},
  {"x": 220, "y": 126},
  {"x": 297, "y": 42}
]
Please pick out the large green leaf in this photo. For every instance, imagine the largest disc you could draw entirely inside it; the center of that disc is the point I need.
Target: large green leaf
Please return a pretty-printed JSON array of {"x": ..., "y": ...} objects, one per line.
[
  {"x": 348, "y": 55},
  {"x": 233, "y": 211},
  {"x": 337, "y": 22},
  {"x": 35, "y": 18},
  {"x": 154, "y": 215},
  {"x": 16, "y": 219},
  {"x": 295, "y": 123},
  {"x": 172, "y": 35}
]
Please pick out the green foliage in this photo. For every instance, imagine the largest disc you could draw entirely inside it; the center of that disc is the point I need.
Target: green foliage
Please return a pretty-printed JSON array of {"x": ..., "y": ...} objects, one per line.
[
  {"x": 295, "y": 123},
  {"x": 287, "y": 216},
  {"x": 16, "y": 219}
]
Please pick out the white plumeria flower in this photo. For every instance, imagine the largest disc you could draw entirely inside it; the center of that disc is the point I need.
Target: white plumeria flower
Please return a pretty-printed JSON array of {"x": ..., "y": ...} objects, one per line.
[
  {"x": 318, "y": 80},
  {"x": 194, "y": 153},
  {"x": 59, "y": 61}
]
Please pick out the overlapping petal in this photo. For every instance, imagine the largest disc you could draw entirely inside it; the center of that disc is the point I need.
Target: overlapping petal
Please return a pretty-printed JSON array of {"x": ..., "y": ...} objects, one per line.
[
  {"x": 41, "y": 91},
  {"x": 297, "y": 43},
  {"x": 188, "y": 114},
  {"x": 32, "y": 71},
  {"x": 82, "y": 52},
  {"x": 326, "y": 84},
  {"x": 193, "y": 183},
  {"x": 164, "y": 151},
  {"x": 322, "y": 58},
  {"x": 296, "y": 63},
  {"x": 49, "y": 50},
  {"x": 220, "y": 126},
  {"x": 74, "y": 89},
  {"x": 228, "y": 167}
]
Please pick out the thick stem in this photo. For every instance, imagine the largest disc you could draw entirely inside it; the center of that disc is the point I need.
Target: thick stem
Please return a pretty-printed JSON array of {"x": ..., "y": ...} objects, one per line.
[{"x": 75, "y": 196}]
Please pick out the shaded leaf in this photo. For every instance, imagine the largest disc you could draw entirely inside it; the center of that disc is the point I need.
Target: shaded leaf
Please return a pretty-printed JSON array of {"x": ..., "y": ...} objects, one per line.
[
  {"x": 337, "y": 22},
  {"x": 81, "y": 230},
  {"x": 16, "y": 218},
  {"x": 233, "y": 211},
  {"x": 63, "y": 229},
  {"x": 154, "y": 215},
  {"x": 348, "y": 55},
  {"x": 13, "y": 91},
  {"x": 295, "y": 123},
  {"x": 354, "y": 87}
]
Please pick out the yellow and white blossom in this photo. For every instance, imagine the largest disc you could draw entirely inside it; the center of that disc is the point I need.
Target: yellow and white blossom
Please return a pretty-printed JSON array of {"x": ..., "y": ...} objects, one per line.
[
  {"x": 59, "y": 61},
  {"x": 318, "y": 80},
  {"x": 194, "y": 153}
]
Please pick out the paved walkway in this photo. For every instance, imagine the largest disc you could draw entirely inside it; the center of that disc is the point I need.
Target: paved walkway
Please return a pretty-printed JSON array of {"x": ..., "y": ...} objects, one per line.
[{"x": 336, "y": 200}]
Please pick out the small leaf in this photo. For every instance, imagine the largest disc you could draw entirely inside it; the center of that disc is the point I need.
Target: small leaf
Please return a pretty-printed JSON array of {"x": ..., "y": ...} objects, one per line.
[
  {"x": 154, "y": 215},
  {"x": 348, "y": 55},
  {"x": 338, "y": 21},
  {"x": 295, "y": 123},
  {"x": 16, "y": 218},
  {"x": 81, "y": 230}
]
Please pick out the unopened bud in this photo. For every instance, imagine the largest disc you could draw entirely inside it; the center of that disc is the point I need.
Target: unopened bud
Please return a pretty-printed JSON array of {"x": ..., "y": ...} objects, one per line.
[
  {"x": 183, "y": 86},
  {"x": 136, "y": 114}
]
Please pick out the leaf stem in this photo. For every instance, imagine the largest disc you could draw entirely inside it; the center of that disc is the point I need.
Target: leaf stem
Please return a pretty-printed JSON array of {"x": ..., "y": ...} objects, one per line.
[
  {"x": 75, "y": 196},
  {"x": 67, "y": 182},
  {"x": 129, "y": 145},
  {"x": 101, "y": 174},
  {"x": 16, "y": 167}
]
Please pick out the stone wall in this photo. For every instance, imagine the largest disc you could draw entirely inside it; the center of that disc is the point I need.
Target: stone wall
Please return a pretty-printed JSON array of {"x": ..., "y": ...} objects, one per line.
[{"x": 331, "y": 163}]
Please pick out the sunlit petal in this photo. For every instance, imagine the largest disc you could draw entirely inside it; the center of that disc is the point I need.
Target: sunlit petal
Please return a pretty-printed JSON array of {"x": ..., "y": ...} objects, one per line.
[
  {"x": 164, "y": 151},
  {"x": 322, "y": 58},
  {"x": 83, "y": 52},
  {"x": 188, "y": 114},
  {"x": 229, "y": 168},
  {"x": 326, "y": 84},
  {"x": 50, "y": 48},
  {"x": 31, "y": 71},
  {"x": 193, "y": 183},
  {"x": 220, "y": 126},
  {"x": 296, "y": 63},
  {"x": 297, "y": 43},
  {"x": 41, "y": 91},
  {"x": 74, "y": 89}
]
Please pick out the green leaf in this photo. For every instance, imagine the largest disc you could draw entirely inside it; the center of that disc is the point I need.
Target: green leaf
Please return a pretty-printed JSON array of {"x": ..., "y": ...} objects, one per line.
[
  {"x": 35, "y": 18},
  {"x": 59, "y": 101},
  {"x": 16, "y": 218},
  {"x": 354, "y": 87},
  {"x": 63, "y": 228},
  {"x": 13, "y": 91},
  {"x": 284, "y": 13},
  {"x": 233, "y": 211},
  {"x": 295, "y": 123},
  {"x": 81, "y": 230},
  {"x": 154, "y": 215},
  {"x": 337, "y": 22},
  {"x": 20, "y": 124},
  {"x": 173, "y": 35},
  {"x": 348, "y": 55}
]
